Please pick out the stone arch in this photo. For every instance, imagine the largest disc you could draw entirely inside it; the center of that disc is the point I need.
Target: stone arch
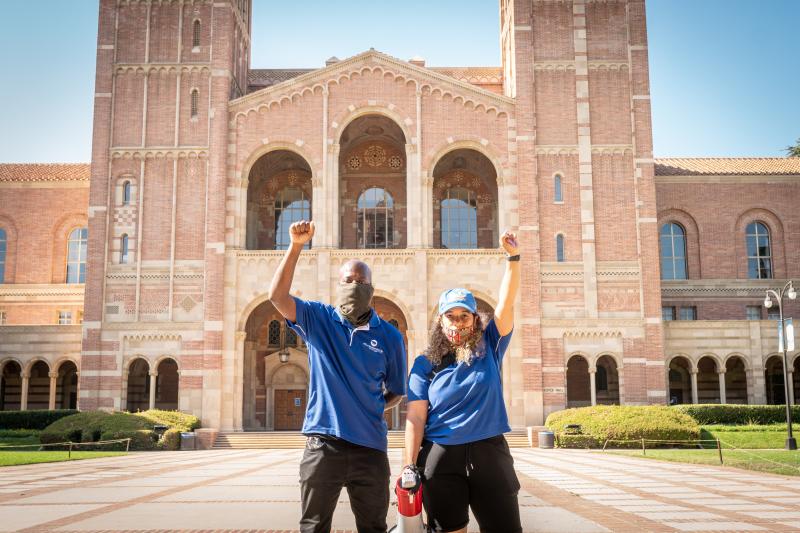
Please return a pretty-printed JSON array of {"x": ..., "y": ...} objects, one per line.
[
  {"x": 694, "y": 256},
  {"x": 65, "y": 360},
  {"x": 708, "y": 369},
  {"x": 466, "y": 142},
  {"x": 607, "y": 378},
  {"x": 345, "y": 118},
  {"x": 473, "y": 175},
  {"x": 31, "y": 362},
  {"x": 275, "y": 171},
  {"x": 10, "y": 384},
  {"x": 737, "y": 384},
  {"x": 66, "y": 396},
  {"x": 773, "y": 379},
  {"x": 167, "y": 383},
  {"x": 137, "y": 379},
  {"x": 38, "y": 372},
  {"x": 373, "y": 153},
  {"x": 680, "y": 368},
  {"x": 577, "y": 380},
  {"x": 777, "y": 242}
]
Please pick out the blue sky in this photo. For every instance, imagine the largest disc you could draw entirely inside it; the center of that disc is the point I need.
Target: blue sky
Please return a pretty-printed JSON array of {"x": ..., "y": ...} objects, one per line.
[{"x": 725, "y": 74}]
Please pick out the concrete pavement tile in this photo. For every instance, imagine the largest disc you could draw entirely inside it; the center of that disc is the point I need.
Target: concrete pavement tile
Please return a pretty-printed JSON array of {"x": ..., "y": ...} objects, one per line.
[
  {"x": 683, "y": 515},
  {"x": 214, "y": 493},
  {"x": 714, "y": 526},
  {"x": 555, "y": 519},
  {"x": 90, "y": 495},
  {"x": 774, "y": 515},
  {"x": 14, "y": 517}
]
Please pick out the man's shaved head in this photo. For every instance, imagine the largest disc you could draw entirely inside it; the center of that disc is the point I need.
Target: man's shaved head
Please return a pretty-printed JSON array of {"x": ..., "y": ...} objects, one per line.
[{"x": 355, "y": 271}]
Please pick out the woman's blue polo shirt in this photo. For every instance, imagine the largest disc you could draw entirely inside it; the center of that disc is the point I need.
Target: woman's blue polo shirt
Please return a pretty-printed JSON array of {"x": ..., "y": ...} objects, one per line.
[
  {"x": 465, "y": 402},
  {"x": 349, "y": 368}
]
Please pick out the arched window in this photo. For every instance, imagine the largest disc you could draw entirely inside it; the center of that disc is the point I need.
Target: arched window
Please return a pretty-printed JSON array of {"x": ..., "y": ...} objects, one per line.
[
  {"x": 76, "y": 255},
  {"x": 274, "y": 333},
  {"x": 601, "y": 379},
  {"x": 196, "y": 33},
  {"x": 290, "y": 206},
  {"x": 459, "y": 219},
  {"x": 560, "y": 248},
  {"x": 291, "y": 337},
  {"x": 3, "y": 247},
  {"x": 123, "y": 249},
  {"x": 673, "y": 251},
  {"x": 195, "y": 102},
  {"x": 558, "y": 195},
  {"x": 126, "y": 193},
  {"x": 375, "y": 219},
  {"x": 759, "y": 252}
]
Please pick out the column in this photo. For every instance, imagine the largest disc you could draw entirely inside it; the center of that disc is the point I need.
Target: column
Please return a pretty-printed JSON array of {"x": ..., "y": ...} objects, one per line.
[
  {"x": 722, "y": 398},
  {"x": 790, "y": 384},
  {"x": 23, "y": 401},
  {"x": 123, "y": 401},
  {"x": 153, "y": 381},
  {"x": 238, "y": 366},
  {"x": 593, "y": 385},
  {"x": 53, "y": 384},
  {"x": 694, "y": 385}
]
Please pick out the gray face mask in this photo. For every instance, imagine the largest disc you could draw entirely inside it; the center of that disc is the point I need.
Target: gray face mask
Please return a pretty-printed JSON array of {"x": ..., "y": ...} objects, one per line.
[{"x": 353, "y": 300}]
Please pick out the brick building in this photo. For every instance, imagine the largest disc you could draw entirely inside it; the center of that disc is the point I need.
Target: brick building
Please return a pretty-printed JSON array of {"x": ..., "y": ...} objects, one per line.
[{"x": 141, "y": 280}]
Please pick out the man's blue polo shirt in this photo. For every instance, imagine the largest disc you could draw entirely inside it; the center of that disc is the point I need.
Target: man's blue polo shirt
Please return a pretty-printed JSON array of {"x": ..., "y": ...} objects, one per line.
[{"x": 349, "y": 368}]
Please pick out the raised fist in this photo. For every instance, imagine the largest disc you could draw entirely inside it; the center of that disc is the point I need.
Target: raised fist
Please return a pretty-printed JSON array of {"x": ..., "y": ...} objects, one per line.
[
  {"x": 508, "y": 240},
  {"x": 301, "y": 231}
]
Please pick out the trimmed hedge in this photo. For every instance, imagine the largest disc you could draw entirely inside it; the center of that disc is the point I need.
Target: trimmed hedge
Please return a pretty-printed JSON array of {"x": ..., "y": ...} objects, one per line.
[
  {"x": 737, "y": 414},
  {"x": 622, "y": 423},
  {"x": 92, "y": 426},
  {"x": 32, "y": 419}
]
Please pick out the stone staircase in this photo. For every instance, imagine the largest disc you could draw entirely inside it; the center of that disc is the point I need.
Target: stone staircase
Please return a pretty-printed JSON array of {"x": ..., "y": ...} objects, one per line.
[{"x": 295, "y": 440}]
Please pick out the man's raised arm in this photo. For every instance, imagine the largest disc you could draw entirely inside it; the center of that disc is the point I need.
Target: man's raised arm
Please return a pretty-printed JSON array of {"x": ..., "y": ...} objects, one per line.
[{"x": 300, "y": 233}]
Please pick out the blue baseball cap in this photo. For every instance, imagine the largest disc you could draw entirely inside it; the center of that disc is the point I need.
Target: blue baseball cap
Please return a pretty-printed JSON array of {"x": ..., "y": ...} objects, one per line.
[{"x": 457, "y": 298}]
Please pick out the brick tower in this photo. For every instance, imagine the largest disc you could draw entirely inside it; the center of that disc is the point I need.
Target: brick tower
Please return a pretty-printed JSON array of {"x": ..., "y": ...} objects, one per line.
[
  {"x": 166, "y": 71},
  {"x": 579, "y": 74}
]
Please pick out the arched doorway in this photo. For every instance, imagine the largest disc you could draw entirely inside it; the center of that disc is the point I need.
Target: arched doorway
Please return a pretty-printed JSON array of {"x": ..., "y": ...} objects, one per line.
[
  {"x": 606, "y": 379},
  {"x": 735, "y": 381},
  {"x": 11, "y": 387},
  {"x": 707, "y": 380},
  {"x": 278, "y": 193},
  {"x": 275, "y": 372},
  {"x": 167, "y": 385},
  {"x": 679, "y": 377},
  {"x": 390, "y": 312},
  {"x": 578, "y": 385},
  {"x": 465, "y": 201},
  {"x": 138, "y": 395},
  {"x": 372, "y": 186},
  {"x": 773, "y": 380},
  {"x": 67, "y": 386},
  {"x": 39, "y": 386}
]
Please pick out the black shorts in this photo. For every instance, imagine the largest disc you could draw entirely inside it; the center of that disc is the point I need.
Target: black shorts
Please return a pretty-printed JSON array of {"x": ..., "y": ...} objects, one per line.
[{"x": 479, "y": 475}]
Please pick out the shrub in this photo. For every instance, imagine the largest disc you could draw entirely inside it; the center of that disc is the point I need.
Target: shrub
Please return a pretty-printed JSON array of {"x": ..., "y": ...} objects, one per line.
[
  {"x": 170, "y": 440},
  {"x": 621, "y": 423},
  {"x": 173, "y": 419},
  {"x": 18, "y": 433},
  {"x": 141, "y": 440},
  {"x": 32, "y": 419},
  {"x": 738, "y": 414}
]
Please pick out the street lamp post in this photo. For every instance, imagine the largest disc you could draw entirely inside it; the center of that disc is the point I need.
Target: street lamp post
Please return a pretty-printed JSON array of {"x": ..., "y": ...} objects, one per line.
[{"x": 788, "y": 290}]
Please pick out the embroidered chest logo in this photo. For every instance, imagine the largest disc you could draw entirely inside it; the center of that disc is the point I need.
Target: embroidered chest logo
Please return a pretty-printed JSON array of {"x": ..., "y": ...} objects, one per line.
[{"x": 373, "y": 345}]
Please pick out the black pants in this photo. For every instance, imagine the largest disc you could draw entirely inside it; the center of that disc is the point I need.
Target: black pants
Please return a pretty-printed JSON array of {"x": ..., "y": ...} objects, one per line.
[
  {"x": 328, "y": 465},
  {"x": 479, "y": 475}
]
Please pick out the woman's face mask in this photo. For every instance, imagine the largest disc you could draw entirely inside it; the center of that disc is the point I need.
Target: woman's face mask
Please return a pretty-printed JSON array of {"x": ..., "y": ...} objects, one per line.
[
  {"x": 353, "y": 301},
  {"x": 458, "y": 335},
  {"x": 458, "y": 325}
]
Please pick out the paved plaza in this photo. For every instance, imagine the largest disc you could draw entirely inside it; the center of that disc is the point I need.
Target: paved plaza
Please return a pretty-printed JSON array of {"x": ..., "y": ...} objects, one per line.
[{"x": 236, "y": 490}]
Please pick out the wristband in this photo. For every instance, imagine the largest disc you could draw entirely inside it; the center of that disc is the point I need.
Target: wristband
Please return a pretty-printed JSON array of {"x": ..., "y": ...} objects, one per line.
[{"x": 512, "y": 257}]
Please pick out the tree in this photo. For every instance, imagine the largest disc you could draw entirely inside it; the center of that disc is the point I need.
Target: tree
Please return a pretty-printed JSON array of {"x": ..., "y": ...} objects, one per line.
[{"x": 793, "y": 151}]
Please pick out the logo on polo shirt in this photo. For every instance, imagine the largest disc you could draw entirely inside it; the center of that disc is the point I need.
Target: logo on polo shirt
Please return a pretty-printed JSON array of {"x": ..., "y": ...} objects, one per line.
[{"x": 373, "y": 345}]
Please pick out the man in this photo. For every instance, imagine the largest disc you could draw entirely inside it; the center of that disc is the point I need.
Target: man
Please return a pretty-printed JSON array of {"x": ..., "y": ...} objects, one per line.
[{"x": 357, "y": 364}]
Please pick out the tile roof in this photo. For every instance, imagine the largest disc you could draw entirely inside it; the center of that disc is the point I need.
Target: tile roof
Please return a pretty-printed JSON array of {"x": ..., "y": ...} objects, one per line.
[
  {"x": 44, "y": 171},
  {"x": 727, "y": 166},
  {"x": 267, "y": 77}
]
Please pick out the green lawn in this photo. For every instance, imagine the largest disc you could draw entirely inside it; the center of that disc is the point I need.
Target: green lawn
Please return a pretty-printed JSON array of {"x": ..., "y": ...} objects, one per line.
[
  {"x": 772, "y": 461},
  {"x": 25, "y": 458},
  {"x": 746, "y": 436}
]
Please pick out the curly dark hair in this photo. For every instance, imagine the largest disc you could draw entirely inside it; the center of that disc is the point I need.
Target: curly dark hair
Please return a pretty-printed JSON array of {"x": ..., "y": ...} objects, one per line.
[{"x": 439, "y": 345}]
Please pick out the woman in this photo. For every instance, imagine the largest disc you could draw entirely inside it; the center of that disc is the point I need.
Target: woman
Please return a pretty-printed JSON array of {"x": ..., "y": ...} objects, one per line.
[{"x": 456, "y": 416}]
